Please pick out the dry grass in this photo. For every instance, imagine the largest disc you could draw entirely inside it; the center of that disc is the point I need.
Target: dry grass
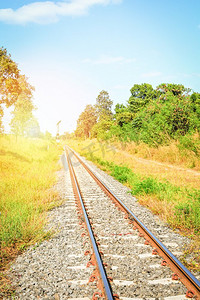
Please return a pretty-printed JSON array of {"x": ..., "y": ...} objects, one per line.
[
  {"x": 177, "y": 175},
  {"x": 171, "y": 154}
]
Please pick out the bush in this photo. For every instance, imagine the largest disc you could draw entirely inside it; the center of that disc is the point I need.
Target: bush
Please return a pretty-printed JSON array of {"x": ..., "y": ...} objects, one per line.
[
  {"x": 121, "y": 173},
  {"x": 188, "y": 213},
  {"x": 188, "y": 142}
]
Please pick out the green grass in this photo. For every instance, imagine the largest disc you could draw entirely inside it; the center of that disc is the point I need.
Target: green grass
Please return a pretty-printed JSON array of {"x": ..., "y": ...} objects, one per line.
[
  {"x": 27, "y": 173},
  {"x": 186, "y": 202}
]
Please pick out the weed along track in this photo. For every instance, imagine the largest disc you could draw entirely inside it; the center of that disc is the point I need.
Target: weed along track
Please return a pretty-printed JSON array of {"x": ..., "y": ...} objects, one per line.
[
  {"x": 129, "y": 261},
  {"x": 98, "y": 250}
]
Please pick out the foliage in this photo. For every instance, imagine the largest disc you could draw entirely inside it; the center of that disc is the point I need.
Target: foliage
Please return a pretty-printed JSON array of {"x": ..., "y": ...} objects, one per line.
[
  {"x": 119, "y": 108},
  {"x": 15, "y": 90},
  {"x": 101, "y": 129},
  {"x": 195, "y": 104},
  {"x": 151, "y": 116},
  {"x": 177, "y": 90},
  {"x": 9, "y": 85},
  {"x": 124, "y": 117},
  {"x": 95, "y": 121},
  {"x": 157, "y": 116},
  {"x": 190, "y": 143},
  {"x": 86, "y": 121},
  {"x": 103, "y": 106},
  {"x": 120, "y": 173},
  {"x": 141, "y": 95},
  {"x": 9, "y": 74},
  {"x": 32, "y": 128},
  {"x": 22, "y": 113}
]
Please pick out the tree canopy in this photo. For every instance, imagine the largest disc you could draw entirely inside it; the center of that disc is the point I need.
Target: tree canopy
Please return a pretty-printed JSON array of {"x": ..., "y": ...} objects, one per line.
[
  {"x": 174, "y": 89},
  {"x": 153, "y": 116},
  {"x": 86, "y": 121},
  {"x": 14, "y": 90},
  {"x": 141, "y": 95},
  {"x": 169, "y": 111},
  {"x": 103, "y": 106},
  {"x": 9, "y": 74},
  {"x": 22, "y": 113}
]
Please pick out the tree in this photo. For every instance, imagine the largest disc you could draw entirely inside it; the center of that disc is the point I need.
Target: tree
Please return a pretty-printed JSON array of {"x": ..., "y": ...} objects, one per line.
[
  {"x": 177, "y": 90},
  {"x": 9, "y": 85},
  {"x": 195, "y": 105},
  {"x": 119, "y": 108},
  {"x": 141, "y": 95},
  {"x": 86, "y": 121},
  {"x": 23, "y": 107},
  {"x": 122, "y": 115},
  {"x": 101, "y": 129},
  {"x": 32, "y": 127},
  {"x": 195, "y": 100},
  {"x": 103, "y": 106}
]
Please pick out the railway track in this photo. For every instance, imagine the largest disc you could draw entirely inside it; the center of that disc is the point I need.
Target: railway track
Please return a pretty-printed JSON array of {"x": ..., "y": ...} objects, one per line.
[
  {"x": 98, "y": 250},
  {"x": 127, "y": 260}
]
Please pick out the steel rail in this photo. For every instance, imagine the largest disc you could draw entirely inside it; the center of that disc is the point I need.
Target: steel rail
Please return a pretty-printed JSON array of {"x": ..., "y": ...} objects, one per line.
[
  {"x": 106, "y": 284},
  {"x": 185, "y": 276}
]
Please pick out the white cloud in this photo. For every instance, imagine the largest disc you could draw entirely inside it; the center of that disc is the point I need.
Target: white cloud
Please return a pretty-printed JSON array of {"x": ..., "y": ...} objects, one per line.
[
  {"x": 151, "y": 74},
  {"x": 105, "y": 60},
  {"x": 49, "y": 11}
]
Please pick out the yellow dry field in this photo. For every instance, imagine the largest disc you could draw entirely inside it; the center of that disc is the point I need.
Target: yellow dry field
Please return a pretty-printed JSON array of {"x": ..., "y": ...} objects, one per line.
[{"x": 177, "y": 175}]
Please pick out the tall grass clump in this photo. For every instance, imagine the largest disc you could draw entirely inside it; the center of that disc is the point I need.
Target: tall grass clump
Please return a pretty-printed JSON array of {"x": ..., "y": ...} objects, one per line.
[
  {"x": 27, "y": 173},
  {"x": 188, "y": 212}
]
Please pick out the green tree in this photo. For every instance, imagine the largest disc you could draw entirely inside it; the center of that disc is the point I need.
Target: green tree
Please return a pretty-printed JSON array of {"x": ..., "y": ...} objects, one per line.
[
  {"x": 9, "y": 85},
  {"x": 103, "y": 106},
  {"x": 175, "y": 107},
  {"x": 86, "y": 121},
  {"x": 122, "y": 115},
  {"x": 195, "y": 104},
  {"x": 101, "y": 129},
  {"x": 158, "y": 115},
  {"x": 195, "y": 101},
  {"x": 160, "y": 121},
  {"x": 141, "y": 95},
  {"x": 177, "y": 90},
  {"x": 119, "y": 108},
  {"x": 23, "y": 107}
]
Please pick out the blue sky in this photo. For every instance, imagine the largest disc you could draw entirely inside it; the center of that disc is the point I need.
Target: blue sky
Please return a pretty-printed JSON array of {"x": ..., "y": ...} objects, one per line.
[{"x": 73, "y": 49}]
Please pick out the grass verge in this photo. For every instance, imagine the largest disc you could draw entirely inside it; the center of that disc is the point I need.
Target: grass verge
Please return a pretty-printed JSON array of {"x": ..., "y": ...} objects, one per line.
[{"x": 27, "y": 172}]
